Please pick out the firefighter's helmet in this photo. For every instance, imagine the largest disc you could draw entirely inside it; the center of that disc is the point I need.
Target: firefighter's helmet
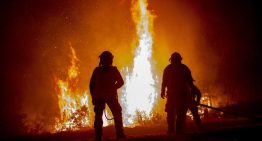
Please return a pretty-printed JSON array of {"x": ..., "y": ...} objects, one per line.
[
  {"x": 106, "y": 55},
  {"x": 106, "y": 58},
  {"x": 175, "y": 57}
]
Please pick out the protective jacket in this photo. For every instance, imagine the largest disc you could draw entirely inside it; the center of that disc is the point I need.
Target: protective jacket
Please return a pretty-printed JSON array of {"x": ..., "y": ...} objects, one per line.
[{"x": 105, "y": 81}]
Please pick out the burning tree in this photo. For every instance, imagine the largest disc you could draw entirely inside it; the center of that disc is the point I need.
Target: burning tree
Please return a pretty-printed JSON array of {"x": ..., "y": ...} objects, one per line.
[
  {"x": 139, "y": 94},
  {"x": 73, "y": 104}
]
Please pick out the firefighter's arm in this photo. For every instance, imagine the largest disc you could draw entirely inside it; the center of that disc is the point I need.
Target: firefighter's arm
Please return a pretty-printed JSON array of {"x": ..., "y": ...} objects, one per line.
[
  {"x": 92, "y": 83},
  {"x": 119, "y": 80},
  {"x": 163, "y": 88},
  {"x": 190, "y": 77},
  {"x": 198, "y": 99},
  {"x": 198, "y": 94}
]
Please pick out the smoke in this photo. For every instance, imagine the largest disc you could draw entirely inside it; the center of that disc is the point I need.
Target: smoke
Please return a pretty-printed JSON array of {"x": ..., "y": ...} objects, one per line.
[
  {"x": 220, "y": 46},
  {"x": 218, "y": 40},
  {"x": 38, "y": 50}
]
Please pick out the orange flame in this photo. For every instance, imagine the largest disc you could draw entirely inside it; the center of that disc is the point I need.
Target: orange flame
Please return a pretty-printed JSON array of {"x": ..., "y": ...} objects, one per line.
[
  {"x": 139, "y": 94},
  {"x": 73, "y": 104}
]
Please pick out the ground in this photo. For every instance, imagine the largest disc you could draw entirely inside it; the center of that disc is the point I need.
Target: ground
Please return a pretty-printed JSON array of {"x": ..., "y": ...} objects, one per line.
[{"x": 232, "y": 129}]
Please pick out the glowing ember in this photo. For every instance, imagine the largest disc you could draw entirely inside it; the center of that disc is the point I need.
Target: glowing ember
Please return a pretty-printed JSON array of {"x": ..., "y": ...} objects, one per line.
[
  {"x": 73, "y": 104},
  {"x": 139, "y": 93}
]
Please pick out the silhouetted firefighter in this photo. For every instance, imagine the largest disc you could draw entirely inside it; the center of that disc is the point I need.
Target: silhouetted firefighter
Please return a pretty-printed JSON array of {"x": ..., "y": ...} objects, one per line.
[
  {"x": 176, "y": 86},
  {"x": 105, "y": 81},
  {"x": 193, "y": 102}
]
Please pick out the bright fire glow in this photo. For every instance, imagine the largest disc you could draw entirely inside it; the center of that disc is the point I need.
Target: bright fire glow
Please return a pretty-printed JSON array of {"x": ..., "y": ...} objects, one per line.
[
  {"x": 139, "y": 93},
  {"x": 206, "y": 100},
  {"x": 73, "y": 104}
]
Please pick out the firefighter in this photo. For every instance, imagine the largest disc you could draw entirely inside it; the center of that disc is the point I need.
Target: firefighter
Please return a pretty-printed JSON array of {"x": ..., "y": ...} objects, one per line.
[
  {"x": 176, "y": 86},
  {"x": 193, "y": 102},
  {"x": 105, "y": 81}
]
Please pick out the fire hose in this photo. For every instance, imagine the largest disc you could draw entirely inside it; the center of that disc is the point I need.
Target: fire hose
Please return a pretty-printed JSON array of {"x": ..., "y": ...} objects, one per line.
[
  {"x": 230, "y": 112},
  {"x": 108, "y": 118},
  {"x": 213, "y": 108}
]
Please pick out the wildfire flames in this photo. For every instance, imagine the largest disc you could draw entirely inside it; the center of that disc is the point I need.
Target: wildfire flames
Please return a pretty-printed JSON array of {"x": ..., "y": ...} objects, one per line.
[
  {"x": 140, "y": 93},
  {"x": 73, "y": 104}
]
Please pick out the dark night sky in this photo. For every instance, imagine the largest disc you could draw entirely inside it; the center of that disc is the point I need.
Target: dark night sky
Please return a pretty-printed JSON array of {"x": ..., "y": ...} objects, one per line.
[{"x": 34, "y": 35}]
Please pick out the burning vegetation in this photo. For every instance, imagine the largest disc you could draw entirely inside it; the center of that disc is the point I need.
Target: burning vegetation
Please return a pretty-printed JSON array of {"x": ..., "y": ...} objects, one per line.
[
  {"x": 46, "y": 92},
  {"x": 139, "y": 95},
  {"x": 140, "y": 92},
  {"x": 73, "y": 103}
]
